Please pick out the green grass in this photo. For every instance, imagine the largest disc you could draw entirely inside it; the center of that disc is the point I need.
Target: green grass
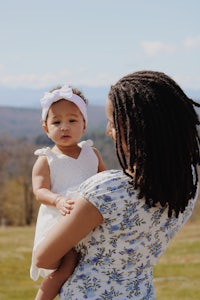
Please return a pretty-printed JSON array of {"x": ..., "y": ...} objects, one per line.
[
  {"x": 177, "y": 275},
  {"x": 15, "y": 256}
]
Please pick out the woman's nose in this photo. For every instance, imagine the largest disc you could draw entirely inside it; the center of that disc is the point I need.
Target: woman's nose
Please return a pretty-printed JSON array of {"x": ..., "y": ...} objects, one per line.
[{"x": 108, "y": 130}]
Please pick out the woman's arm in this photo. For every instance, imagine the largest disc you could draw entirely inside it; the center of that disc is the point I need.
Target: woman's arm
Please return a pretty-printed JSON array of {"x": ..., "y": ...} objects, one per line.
[{"x": 67, "y": 233}]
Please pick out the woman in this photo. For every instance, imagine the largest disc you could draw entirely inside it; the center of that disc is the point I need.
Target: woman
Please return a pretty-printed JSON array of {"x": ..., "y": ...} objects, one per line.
[{"x": 122, "y": 221}]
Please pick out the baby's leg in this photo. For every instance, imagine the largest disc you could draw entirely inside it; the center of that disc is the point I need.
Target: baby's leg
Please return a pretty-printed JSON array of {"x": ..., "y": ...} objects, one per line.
[{"x": 52, "y": 283}]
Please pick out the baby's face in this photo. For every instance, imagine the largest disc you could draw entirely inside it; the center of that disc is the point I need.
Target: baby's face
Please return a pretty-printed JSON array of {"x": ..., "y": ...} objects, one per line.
[{"x": 65, "y": 123}]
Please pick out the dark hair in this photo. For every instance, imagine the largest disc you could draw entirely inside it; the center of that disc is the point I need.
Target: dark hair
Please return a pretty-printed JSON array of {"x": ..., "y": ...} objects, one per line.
[
  {"x": 159, "y": 125},
  {"x": 80, "y": 94}
]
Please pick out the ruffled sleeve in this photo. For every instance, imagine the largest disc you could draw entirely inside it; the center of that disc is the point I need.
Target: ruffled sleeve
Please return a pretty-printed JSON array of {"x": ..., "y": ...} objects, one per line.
[
  {"x": 43, "y": 151},
  {"x": 87, "y": 142}
]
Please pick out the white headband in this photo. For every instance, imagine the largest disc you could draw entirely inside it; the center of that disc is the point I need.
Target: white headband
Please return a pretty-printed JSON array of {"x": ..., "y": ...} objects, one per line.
[{"x": 63, "y": 93}]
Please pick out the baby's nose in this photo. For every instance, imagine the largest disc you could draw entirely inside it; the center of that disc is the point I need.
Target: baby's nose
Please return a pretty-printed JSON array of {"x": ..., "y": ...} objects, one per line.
[{"x": 65, "y": 126}]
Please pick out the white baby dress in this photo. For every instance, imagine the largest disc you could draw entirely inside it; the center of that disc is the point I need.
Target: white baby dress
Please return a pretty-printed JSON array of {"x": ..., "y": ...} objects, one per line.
[{"x": 66, "y": 175}]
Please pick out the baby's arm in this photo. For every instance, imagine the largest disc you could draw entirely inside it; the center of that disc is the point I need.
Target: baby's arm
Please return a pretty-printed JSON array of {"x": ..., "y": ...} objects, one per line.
[
  {"x": 42, "y": 187},
  {"x": 101, "y": 166}
]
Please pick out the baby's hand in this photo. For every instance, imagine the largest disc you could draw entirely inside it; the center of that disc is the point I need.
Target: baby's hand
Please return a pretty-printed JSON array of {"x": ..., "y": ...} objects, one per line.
[{"x": 64, "y": 205}]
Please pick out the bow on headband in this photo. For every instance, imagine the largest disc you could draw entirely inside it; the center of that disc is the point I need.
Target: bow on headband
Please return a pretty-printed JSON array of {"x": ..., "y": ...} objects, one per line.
[{"x": 63, "y": 93}]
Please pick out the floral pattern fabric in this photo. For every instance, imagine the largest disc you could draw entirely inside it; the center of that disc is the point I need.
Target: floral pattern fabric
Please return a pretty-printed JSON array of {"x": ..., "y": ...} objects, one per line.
[{"x": 118, "y": 256}]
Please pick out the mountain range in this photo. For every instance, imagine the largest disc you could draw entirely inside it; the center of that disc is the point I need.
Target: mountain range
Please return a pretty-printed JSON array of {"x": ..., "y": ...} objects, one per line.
[
  {"x": 29, "y": 98},
  {"x": 20, "y": 111},
  {"x": 21, "y": 122}
]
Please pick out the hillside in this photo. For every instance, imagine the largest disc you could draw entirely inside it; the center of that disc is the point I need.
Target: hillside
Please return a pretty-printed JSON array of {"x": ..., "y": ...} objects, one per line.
[{"x": 25, "y": 122}]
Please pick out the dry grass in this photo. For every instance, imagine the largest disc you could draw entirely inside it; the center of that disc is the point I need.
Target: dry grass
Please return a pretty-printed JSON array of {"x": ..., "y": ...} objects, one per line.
[{"x": 177, "y": 275}]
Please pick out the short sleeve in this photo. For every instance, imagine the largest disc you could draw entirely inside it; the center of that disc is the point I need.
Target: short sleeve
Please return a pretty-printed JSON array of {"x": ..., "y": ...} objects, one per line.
[{"x": 106, "y": 191}]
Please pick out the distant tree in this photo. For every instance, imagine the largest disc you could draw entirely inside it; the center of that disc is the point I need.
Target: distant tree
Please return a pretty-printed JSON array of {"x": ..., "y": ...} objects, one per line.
[
  {"x": 17, "y": 202},
  {"x": 4, "y": 158},
  {"x": 42, "y": 140},
  {"x": 25, "y": 159},
  {"x": 16, "y": 187}
]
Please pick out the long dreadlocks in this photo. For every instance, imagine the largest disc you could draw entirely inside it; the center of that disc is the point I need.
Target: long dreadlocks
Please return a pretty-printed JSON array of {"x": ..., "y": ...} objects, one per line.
[{"x": 159, "y": 125}]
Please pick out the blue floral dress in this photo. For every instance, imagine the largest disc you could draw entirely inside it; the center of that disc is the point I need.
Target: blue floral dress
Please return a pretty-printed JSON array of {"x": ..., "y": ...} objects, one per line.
[{"x": 118, "y": 256}]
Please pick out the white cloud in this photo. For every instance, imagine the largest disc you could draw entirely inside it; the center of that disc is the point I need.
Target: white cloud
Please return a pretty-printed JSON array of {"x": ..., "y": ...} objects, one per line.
[
  {"x": 33, "y": 80},
  {"x": 192, "y": 42},
  {"x": 80, "y": 77},
  {"x": 154, "y": 48}
]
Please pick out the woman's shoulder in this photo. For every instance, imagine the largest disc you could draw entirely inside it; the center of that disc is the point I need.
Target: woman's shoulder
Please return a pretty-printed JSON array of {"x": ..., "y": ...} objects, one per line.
[
  {"x": 108, "y": 176},
  {"x": 109, "y": 180},
  {"x": 107, "y": 191}
]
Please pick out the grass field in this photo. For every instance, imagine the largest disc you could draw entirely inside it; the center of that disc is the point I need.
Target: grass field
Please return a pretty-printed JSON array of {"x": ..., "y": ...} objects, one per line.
[{"x": 177, "y": 276}]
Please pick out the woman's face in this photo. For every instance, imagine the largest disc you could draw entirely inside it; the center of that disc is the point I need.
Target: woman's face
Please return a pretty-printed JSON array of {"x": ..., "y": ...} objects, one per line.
[{"x": 110, "y": 128}]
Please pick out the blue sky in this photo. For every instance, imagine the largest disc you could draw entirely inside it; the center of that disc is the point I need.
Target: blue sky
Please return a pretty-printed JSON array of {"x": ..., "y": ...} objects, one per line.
[{"x": 94, "y": 43}]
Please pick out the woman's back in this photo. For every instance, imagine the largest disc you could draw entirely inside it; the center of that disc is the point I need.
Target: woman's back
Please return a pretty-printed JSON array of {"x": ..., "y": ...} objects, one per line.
[{"x": 118, "y": 256}]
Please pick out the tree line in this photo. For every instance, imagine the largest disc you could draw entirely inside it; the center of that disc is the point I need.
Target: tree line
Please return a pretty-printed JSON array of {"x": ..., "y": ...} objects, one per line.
[{"x": 18, "y": 206}]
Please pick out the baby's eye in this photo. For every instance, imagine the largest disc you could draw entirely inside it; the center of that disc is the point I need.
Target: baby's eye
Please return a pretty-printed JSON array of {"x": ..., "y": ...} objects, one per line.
[
  {"x": 56, "y": 123},
  {"x": 72, "y": 120}
]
